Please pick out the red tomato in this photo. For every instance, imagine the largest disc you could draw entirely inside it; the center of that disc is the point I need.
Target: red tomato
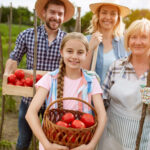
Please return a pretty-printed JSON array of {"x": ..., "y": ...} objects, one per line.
[
  {"x": 12, "y": 78},
  {"x": 38, "y": 77},
  {"x": 77, "y": 124},
  {"x": 63, "y": 124},
  {"x": 11, "y": 83},
  {"x": 68, "y": 117},
  {"x": 28, "y": 82},
  {"x": 19, "y": 74},
  {"x": 19, "y": 82},
  {"x": 88, "y": 119},
  {"x": 23, "y": 81}
]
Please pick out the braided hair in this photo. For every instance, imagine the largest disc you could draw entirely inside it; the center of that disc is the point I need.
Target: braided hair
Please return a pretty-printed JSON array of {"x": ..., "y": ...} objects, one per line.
[{"x": 62, "y": 70}]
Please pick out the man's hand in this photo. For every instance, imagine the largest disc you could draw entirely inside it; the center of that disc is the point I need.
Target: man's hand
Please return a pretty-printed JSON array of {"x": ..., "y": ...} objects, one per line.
[{"x": 10, "y": 67}]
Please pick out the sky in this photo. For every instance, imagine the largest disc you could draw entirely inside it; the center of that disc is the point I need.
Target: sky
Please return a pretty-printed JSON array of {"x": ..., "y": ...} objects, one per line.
[{"x": 84, "y": 4}]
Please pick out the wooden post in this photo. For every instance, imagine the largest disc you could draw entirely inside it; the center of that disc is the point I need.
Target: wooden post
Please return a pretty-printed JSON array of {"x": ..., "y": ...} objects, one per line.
[
  {"x": 20, "y": 22},
  {"x": 9, "y": 24},
  {"x": 34, "y": 66},
  {"x": 3, "y": 97},
  {"x": 143, "y": 115},
  {"x": 78, "y": 20},
  {"x": 94, "y": 59},
  {"x": 0, "y": 14}
]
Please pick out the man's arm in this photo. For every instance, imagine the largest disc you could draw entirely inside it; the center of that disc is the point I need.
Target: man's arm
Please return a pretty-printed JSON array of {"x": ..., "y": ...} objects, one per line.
[{"x": 10, "y": 67}]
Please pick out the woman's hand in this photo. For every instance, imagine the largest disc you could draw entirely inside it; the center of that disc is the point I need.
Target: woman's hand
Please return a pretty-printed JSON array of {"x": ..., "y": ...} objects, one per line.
[
  {"x": 56, "y": 147},
  {"x": 96, "y": 39},
  {"x": 84, "y": 147}
]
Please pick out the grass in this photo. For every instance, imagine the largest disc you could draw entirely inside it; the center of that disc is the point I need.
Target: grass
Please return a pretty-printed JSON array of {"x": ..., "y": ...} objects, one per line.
[
  {"x": 10, "y": 104},
  {"x": 4, "y": 30},
  {"x": 10, "y": 101}
]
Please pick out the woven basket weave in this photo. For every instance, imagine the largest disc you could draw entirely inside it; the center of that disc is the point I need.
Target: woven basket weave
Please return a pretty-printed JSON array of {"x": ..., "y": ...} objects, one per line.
[{"x": 70, "y": 137}]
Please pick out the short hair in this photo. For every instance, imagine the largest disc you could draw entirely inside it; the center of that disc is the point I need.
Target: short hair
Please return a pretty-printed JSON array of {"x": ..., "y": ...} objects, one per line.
[
  {"x": 56, "y": 2},
  {"x": 138, "y": 26},
  {"x": 94, "y": 24},
  {"x": 75, "y": 35}
]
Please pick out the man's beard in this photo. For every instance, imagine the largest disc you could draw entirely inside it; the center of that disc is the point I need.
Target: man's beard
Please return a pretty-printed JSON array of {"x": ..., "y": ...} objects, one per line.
[{"x": 51, "y": 27}]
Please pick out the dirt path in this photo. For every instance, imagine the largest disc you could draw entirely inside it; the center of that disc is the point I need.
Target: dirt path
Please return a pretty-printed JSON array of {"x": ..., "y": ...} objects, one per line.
[{"x": 10, "y": 128}]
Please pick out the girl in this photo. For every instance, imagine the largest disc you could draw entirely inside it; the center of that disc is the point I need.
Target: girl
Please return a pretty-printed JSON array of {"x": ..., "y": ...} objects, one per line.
[
  {"x": 106, "y": 31},
  {"x": 71, "y": 81}
]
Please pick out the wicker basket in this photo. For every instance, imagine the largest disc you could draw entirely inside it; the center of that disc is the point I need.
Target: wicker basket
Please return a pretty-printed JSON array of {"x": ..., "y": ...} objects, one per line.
[{"x": 66, "y": 136}]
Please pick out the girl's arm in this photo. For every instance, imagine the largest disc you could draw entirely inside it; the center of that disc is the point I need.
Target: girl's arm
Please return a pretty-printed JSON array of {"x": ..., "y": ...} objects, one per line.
[
  {"x": 34, "y": 121},
  {"x": 101, "y": 117}
]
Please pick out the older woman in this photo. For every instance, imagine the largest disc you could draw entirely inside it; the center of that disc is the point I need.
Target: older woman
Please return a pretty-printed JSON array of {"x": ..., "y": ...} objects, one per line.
[
  {"x": 107, "y": 30},
  {"x": 122, "y": 88}
]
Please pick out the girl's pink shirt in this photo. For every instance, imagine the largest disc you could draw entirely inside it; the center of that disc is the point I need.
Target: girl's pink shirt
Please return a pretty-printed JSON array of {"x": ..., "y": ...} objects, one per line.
[{"x": 70, "y": 88}]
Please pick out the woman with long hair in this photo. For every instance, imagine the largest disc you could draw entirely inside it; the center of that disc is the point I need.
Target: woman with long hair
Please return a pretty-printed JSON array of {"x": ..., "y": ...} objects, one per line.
[{"x": 106, "y": 31}]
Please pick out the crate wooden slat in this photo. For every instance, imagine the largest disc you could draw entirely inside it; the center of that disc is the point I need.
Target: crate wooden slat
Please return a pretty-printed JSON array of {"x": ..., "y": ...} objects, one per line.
[{"x": 25, "y": 91}]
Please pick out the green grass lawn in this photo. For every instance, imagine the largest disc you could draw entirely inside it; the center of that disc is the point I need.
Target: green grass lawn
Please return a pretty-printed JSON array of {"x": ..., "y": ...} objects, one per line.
[{"x": 4, "y": 31}]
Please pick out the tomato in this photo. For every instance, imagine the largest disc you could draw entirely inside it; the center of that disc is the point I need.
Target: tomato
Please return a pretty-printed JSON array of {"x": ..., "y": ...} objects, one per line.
[
  {"x": 28, "y": 82},
  {"x": 63, "y": 124},
  {"x": 23, "y": 81},
  {"x": 38, "y": 77},
  {"x": 88, "y": 120},
  {"x": 12, "y": 78},
  {"x": 10, "y": 83},
  {"x": 19, "y": 74},
  {"x": 19, "y": 82},
  {"x": 77, "y": 124},
  {"x": 68, "y": 117}
]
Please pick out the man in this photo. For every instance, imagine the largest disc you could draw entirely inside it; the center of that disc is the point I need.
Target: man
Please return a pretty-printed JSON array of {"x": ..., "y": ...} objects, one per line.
[{"x": 53, "y": 13}]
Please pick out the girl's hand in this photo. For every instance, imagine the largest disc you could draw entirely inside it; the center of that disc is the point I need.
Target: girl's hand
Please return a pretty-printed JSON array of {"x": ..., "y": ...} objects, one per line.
[
  {"x": 84, "y": 147},
  {"x": 96, "y": 39},
  {"x": 56, "y": 147}
]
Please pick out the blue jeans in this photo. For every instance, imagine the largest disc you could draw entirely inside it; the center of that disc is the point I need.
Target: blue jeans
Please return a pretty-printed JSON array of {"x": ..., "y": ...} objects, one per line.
[{"x": 25, "y": 132}]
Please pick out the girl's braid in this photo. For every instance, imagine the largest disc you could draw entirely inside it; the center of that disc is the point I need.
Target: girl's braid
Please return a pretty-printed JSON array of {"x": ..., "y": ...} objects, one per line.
[{"x": 60, "y": 82}]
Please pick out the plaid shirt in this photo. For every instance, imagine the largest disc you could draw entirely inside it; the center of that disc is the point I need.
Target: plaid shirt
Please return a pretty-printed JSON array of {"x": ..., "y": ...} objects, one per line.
[
  {"x": 119, "y": 67},
  {"x": 48, "y": 56}
]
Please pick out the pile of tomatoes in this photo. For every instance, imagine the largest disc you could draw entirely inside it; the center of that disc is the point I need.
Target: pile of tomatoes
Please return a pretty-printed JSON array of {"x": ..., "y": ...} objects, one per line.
[
  {"x": 68, "y": 120},
  {"x": 19, "y": 79}
]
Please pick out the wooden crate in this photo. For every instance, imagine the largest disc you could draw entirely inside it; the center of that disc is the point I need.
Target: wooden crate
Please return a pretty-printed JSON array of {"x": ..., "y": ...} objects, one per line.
[{"x": 25, "y": 91}]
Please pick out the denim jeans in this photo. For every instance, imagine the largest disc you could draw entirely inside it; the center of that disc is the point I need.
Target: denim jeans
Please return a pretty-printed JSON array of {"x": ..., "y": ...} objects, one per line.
[{"x": 25, "y": 132}]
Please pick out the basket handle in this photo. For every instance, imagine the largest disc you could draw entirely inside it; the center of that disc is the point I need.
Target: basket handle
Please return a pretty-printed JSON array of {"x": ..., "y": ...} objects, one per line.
[{"x": 72, "y": 98}]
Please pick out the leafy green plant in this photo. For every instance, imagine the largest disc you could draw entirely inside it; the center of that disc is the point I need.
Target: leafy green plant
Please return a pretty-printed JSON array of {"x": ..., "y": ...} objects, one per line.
[
  {"x": 5, "y": 145},
  {"x": 10, "y": 104}
]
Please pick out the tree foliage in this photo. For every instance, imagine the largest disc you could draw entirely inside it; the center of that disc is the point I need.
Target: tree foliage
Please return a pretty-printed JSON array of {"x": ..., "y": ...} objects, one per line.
[
  {"x": 20, "y": 15},
  {"x": 85, "y": 21},
  {"x": 136, "y": 14},
  {"x": 69, "y": 26}
]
